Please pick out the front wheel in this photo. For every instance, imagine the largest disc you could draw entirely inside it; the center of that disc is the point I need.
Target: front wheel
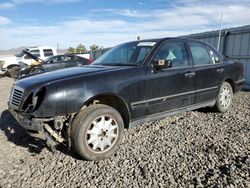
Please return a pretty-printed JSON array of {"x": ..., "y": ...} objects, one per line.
[
  {"x": 97, "y": 131},
  {"x": 14, "y": 71},
  {"x": 224, "y": 98}
]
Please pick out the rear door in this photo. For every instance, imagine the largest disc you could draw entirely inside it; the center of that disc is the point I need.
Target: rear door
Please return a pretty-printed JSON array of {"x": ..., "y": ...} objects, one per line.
[
  {"x": 209, "y": 71},
  {"x": 172, "y": 88}
]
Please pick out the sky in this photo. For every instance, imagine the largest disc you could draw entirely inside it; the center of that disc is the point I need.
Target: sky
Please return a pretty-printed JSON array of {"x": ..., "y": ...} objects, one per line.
[{"x": 110, "y": 22}]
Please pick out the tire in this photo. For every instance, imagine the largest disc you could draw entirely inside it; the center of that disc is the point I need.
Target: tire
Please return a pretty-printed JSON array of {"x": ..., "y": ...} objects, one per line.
[
  {"x": 36, "y": 71},
  {"x": 91, "y": 138},
  {"x": 14, "y": 71},
  {"x": 225, "y": 98}
]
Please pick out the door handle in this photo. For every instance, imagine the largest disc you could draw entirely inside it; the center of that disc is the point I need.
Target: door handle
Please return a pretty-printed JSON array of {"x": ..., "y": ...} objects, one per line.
[
  {"x": 221, "y": 70},
  {"x": 190, "y": 74}
]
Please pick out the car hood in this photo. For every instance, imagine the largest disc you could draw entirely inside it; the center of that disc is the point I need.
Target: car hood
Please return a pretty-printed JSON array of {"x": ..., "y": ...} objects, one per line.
[
  {"x": 8, "y": 58},
  {"x": 62, "y": 74}
]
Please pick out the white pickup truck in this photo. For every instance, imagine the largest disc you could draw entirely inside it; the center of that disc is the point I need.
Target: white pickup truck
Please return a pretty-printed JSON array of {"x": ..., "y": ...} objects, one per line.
[{"x": 10, "y": 64}]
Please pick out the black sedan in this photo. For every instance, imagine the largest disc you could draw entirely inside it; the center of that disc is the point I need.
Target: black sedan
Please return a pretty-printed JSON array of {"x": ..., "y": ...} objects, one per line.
[
  {"x": 89, "y": 107},
  {"x": 52, "y": 63}
]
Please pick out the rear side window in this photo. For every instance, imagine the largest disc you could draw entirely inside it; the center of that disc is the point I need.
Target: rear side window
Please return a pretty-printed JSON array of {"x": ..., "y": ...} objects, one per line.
[
  {"x": 69, "y": 58},
  {"x": 215, "y": 58},
  {"x": 199, "y": 53},
  {"x": 47, "y": 52}
]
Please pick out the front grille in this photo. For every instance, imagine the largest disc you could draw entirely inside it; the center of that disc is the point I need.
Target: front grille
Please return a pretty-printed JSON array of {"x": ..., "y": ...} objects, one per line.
[{"x": 16, "y": 96}]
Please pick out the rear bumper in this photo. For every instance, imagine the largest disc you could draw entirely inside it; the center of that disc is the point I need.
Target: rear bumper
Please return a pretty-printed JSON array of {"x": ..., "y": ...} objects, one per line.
[
  {"x": 239, "y": 85},
  {"x": 28, "y": 123}
]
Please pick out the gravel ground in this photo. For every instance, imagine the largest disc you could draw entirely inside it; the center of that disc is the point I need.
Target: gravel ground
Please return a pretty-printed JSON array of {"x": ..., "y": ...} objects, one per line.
[{"x": 193, "y": 149}]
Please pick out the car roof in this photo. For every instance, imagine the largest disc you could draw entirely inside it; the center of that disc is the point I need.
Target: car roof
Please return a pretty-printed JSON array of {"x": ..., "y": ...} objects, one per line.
[
  {"x": 167, "y": 38},
  {"x": 39, "y": 47}
]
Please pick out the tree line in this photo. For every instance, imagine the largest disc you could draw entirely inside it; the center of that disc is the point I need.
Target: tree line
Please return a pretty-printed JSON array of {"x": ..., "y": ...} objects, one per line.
[{"x": 79, "y": 49}]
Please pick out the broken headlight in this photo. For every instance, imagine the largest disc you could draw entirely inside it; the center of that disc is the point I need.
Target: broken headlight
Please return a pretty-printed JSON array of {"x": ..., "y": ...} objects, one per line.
[{"x": 34, "y": 100}]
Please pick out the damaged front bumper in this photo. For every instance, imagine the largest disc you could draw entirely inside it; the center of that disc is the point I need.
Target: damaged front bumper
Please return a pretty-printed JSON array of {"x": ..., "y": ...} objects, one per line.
[
  {"x": 34, "y": 124},
  {"x": 37, "y": 124}
]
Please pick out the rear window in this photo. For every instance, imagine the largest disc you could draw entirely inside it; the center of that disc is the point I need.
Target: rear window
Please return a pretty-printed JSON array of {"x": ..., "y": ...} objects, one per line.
[{"x": 47, "y": 52}]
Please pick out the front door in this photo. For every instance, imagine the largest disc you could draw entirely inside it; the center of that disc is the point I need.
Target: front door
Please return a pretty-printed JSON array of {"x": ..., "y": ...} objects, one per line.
[{"x": 171, "y": 88}]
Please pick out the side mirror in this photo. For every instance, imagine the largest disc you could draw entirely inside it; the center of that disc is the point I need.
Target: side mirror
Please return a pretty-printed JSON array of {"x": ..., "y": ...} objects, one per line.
[
  {"x": 162, "y": 64},
  {"x": 51, "y": 61}
]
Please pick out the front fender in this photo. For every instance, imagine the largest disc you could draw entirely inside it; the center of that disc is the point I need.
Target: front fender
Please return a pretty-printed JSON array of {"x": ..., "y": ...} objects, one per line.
[
  {"x": 61, "y": 100},
  {"x": 8, "y": 65},
  {"x": 67, "y": 96}
]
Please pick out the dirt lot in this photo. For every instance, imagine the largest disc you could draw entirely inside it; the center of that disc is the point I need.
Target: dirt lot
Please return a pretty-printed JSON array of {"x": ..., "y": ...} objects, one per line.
[{"x": 193, "y": 149}]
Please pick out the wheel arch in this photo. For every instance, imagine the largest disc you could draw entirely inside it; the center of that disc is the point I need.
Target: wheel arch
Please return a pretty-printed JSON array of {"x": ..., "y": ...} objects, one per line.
[
  {"x": 231, "y": 82},
  {"x": 12, "y": 65},
  {"x": 114, "y": 101},
  {"x": 38, "y": 68}
]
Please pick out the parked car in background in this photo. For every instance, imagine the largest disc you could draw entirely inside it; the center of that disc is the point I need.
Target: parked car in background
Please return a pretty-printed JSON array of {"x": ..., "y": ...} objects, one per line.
[
  {"x": 52, "y": 63},
  {"x": 11, "y": 64},
  {"x": 89, "y": 107}
]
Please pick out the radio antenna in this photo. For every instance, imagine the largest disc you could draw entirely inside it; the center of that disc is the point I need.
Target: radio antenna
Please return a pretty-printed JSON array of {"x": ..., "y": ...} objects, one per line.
[{"x": 221, "y": 20}]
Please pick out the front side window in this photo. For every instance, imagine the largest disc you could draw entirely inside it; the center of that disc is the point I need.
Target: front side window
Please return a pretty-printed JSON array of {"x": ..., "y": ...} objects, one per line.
[
  {"x": 199, "y": 53},
  {"x": 132, "y": 53},
  {"x": 174, "y": 52},
  {"x": 33, "y": 52}
]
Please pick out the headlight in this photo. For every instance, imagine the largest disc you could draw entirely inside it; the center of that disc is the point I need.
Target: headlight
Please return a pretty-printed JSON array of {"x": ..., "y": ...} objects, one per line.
[{"x": 34, "y": 100}]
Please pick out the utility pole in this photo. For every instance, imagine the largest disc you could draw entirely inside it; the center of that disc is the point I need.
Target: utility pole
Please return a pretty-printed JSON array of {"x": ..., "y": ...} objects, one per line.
[
  {"x": 221, "y": 20},
  {"x": 57, "y": 46}
]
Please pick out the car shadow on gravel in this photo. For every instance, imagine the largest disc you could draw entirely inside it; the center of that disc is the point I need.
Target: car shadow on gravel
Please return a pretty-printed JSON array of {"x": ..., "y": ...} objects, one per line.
[{"x": 19, "y": 136}]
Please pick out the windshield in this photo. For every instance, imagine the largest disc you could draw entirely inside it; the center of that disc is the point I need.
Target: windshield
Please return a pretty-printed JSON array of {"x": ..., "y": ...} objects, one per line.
[
  {"x": 21, "y": 54},
  {"x": 129, "y": 54}
]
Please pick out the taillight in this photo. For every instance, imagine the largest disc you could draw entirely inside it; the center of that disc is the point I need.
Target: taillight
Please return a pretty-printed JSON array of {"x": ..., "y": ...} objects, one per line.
[{"x": 90, "y": 61}]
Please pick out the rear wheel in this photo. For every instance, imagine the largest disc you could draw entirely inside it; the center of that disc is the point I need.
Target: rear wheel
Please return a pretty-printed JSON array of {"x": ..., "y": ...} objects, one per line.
[
  {"x": 224, "y": 98},
  {"x": 97, "y": 131},
  {"x": 13, "y": 71}
]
